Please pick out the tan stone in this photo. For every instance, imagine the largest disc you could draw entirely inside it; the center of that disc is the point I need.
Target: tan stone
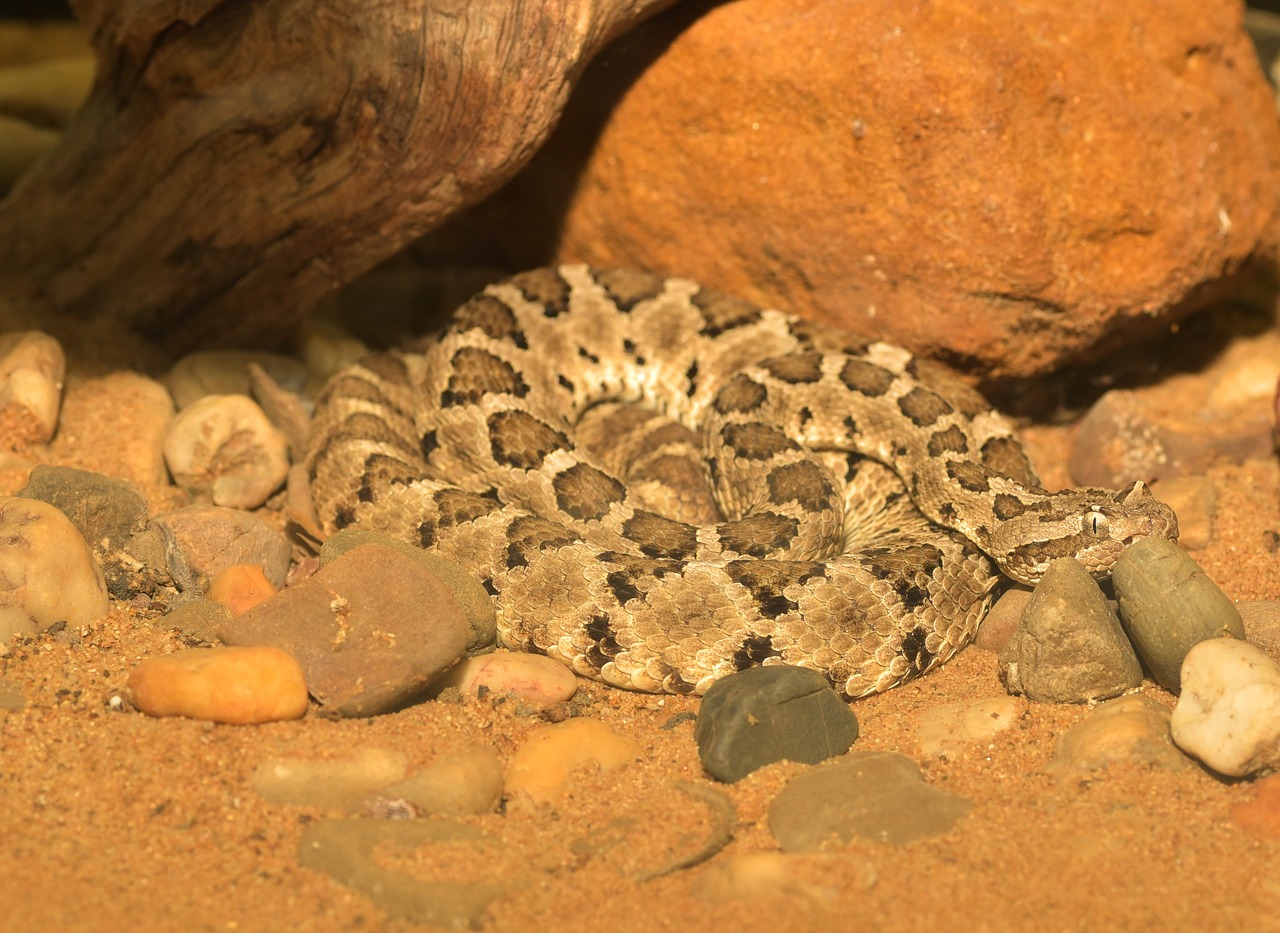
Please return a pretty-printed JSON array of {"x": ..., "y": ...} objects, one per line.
[
  {"x": 240, "y": 587},
  {"x": 540, "y": 770},
  {"x": 231, "y": 685},
  {"x": 1018, "y": 184}
]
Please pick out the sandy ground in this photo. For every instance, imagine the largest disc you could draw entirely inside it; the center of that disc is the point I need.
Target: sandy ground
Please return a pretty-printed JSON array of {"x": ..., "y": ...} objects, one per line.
[{"x": 113, "y": 820}]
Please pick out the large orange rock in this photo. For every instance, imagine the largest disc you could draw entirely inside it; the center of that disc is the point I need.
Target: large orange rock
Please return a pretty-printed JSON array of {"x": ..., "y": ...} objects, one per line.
[{"x": 1009, "y": 185}]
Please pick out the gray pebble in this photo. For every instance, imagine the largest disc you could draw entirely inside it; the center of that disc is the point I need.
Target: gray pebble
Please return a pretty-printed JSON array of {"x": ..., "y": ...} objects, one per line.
[
  {"x": 878, "y": 796},
  {"x": 1168, "y": 605},
  {"x": 766, "y": 714},
  {"x": 195, "y": 542},
  {"x": 1070, "y": 647},
  {"x": 107, "y": 511}
]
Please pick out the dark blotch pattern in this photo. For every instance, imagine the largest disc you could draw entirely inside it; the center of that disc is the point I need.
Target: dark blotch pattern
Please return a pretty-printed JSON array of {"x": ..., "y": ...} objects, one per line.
[
  {"x": 767, "y": 581},
  {"x": 723, "y": 312},
  {"x": 544, "y": 287},
  {"x": 660, "y": 537},
  {"x": 477, "y": 373},
  {"x": 491, "y": 316},
  {"x": 796, "y": 368},
  {"x": 971, "y": 476},
  {"x": 804, "y": 483},
  {"x": 754, "y": 650},
  {"x": 759, "y": 535},
  {"x": 741, "y": 393},
  {"x": 457, "y": 506},
  {"x": 1006, "y": 506},
  {"x": 1005, "y": 456},
  {"x": 586, "y": 493},
  {"x": 867, "y": 378},
  {"x": 915, "y": 650},
  {"x": 604, "y": 641},
  {"x": 626, "y": 289},
  {"x": 924, "y": 407},
  {"x": 952, "y": 440},
  {"x": 530, "y": 534},
  {"x": 519, "y": 440},
  {"x": 756, "y": 441}
]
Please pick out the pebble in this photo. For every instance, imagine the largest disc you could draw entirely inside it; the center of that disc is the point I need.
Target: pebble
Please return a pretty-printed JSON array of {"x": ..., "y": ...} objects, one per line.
[
  {"x": 482, "y": 617},
  {"x": 1167, "y": 605},
  {"x": 47, "y": 574},
  {"x": 538, "y": 773},
  {"x": 231, "y": 685},
  {"x": 955, "y": 726},
  {"x": 200, "y": 619},
  {"x": 198, "y": 541},
  {"x": 766, "y": 714},
  {"x": 32, "y": 367},
  {"x": 1228, "y": 715},
  {"x": 1260, "y": 816},
  {"x": 529, "y": 677},
  {"x": 240, "y": 587},
  {"x": 464, "y": 783},
  {"x": 330, "y": 784},
  {"x": 372, "y": 630},
  {"x": 876, "y": 796},
  {"x": 134, "y": 412},
  {"x": 1130, "y": 730},
  {"x": 1261, "y": 620},
  {"x": 749, "y": 876},
  {"x": 106, "y": 511},
  {"x": 12, "y": 696},
  {"x": 223, "y": 449},
  {"x": 1070, "y": 647},
  {"x": 327, "y": 347},
  {"x": 1193, "y": 499},
  {"x": 1116, "y": 442},
  {"x": 283, "y": 408},
  {"x": 226, "y": 372},
  {"x": 343, "y": 849},
  {"x": 1002, "y": 621}
]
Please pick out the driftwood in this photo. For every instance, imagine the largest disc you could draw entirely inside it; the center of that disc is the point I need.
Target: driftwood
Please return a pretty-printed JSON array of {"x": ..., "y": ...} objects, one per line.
[{"x": 236, "y": 161}]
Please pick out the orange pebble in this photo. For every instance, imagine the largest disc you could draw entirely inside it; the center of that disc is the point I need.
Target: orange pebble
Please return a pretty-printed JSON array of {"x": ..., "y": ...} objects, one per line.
[
  {"x": 240, "y": 588},
  {"x": 1261, "y": 815},
  {"x": 232, "y": 685}
]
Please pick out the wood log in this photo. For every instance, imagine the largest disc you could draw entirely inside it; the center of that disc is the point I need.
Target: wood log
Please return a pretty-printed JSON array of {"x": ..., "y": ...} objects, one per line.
[{"x": 237, "y": 161}]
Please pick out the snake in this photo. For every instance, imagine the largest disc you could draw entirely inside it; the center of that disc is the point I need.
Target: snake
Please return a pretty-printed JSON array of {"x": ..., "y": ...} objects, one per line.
[{"x": 660, "y": 485}]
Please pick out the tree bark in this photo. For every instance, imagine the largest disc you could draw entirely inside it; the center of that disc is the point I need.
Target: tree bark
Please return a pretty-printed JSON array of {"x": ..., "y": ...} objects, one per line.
[{"x": 239, "y": 159}]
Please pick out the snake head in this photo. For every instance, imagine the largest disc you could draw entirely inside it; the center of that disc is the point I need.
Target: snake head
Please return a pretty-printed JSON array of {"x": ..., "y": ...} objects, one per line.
[{"x": 1092, "y": 525}]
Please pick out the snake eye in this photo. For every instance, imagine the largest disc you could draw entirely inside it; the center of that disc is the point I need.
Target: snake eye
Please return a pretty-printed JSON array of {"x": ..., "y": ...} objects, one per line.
[{"x": 1094, "y": 524}]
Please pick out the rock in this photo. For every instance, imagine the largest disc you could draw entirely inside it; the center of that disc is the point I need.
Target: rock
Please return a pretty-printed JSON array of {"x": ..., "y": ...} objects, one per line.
[
  {"x": 1130, "y": 730},
  {"x": 223, "y": 449},
  {"x": 200, "y": 540},
  {"x": 330, "y": 784},
  {"x": 106, "y": 511},
  {"x": 118, "y": 422},
  {"x": 343, "y": 849},
  {"x": 226, "y": 372},
  {"x": 1194, "y": 500},
  {"x": 766, "y": 714},
  {"x": 512, "y": 673},
  {"x": 1071, "y": 231},
  {"x": 1116, "y": 442},
  {"x": 286, "y": 410},
  {"x": 32, "y": 367},
  {"x": 1002, "y": 621},
  {"x": 1228, "y": 715},
  {"x": 325, "y": 348},
  {"x": 1070, "y": 647},
  {"x": 232, "y": 685},
  {"x": 1261, "y": 620},
  {"x": 539, "y": 771},
  {"x": 47, "y": 574},
  {"x": 240, "y": 587},
  {"x": 954, "y": 726},
  {"x": 1167, "y": 605},
  {"x": 1260, "y": 816},
  {"x": 475, "y": 601},
  {"x": 876, "y": 796},
  {"x": 371, "y": 630},
  {"x": 749, "y": 876},
  {"x": 12, "y": 696},
  {"x": 464, "y": 783},
  {"x": 201, "y": 619}
]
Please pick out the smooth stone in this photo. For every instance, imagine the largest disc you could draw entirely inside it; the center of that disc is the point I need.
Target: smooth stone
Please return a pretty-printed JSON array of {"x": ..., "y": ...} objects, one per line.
[
  {"x": 47, "y": 574},
  {"x": 12, "y": 696},
  {"x": 283, "y": 408},
  {"x": 326, "y": 347},
  {"x": 482, "y": 616},
  {"x": 1194, "y": 499},
  {"x": 464, "y": 783},
  {"x": 343, "y": 849},
  {"x": 877, "y": 796},
  {"x": 1130, "y": 730},
  {"x": 1116, "y": 439},
  {"x": 134, "y": 412},
  {"x": 231, "y": 685},
  {"x": 1002, "y": 621},
  {"x": 32, "y": 369},
  {"x": 748, "y": 876},
  {"x": 226, "y": 372},
  {"x": 332, "y": 783},
  {"x": 539, "y": 772},
  {"x": 1260, "y": 815},
  {"x": 1228, "y": 715},
  {"x": 954, "y": 726},
  {"x": 529, "y": 677},
  {"x": 198, "y": 541},
  {"x": 107, "y": 511},
  {"x": 223, "y": 449},
  {"x": 766, "y": 714},
  {"x": 372, "y": 630},
  {"x": 1261, "y": 620},
  {"x": 240, "y": 587},
  {"x": 198, "y": 618},
  {"x": 1070, "y": 647},
  {"x": 1168, "y": 605}
]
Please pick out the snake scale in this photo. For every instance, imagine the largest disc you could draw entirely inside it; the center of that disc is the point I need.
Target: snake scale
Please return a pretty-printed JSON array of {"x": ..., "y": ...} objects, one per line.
[{"x": 851, "y": 509}]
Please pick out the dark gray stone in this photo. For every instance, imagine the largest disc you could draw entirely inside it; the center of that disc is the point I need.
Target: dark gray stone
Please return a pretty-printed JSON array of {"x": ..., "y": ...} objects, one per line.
[
  {"x": 1168, "y": 605},
  {"x": 107, "y": 511},
  {"x": 878, "y": 796},
  {"x": 768, "y": 714},
  {"x": 1070, "y": 647}
]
